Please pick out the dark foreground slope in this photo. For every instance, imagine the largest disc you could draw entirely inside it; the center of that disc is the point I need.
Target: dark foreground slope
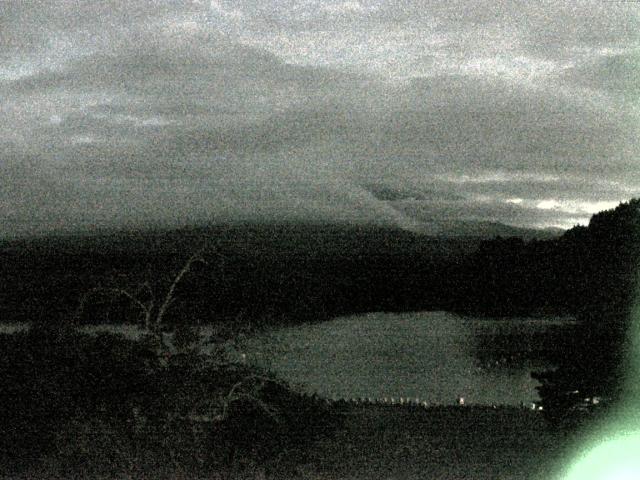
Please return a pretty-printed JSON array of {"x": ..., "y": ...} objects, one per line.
[
  {"x": 76, "y": 405},
  {"x": 452, "y": 443},
  {"x": 100, "y": 406},
  {"x": 439, "y": 443}
]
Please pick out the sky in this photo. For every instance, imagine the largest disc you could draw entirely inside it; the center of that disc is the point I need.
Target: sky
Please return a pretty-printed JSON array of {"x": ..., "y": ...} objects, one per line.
[{"x": 129, "y": 113}]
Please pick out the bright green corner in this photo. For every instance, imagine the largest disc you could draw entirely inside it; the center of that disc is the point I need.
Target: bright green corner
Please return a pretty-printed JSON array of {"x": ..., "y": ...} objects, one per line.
[
  {"x": 616, "y": 459},
  {"x": 613, "y": 451}
]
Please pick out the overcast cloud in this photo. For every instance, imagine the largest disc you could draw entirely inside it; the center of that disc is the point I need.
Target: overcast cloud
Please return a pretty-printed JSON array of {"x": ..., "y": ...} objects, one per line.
[{"x": 169, "y": 112}]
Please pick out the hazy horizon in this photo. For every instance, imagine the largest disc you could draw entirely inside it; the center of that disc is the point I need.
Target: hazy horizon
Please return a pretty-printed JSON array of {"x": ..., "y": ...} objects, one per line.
[
  {"x": 131, "y": 114},
  {"x": 442, "y": 230}
]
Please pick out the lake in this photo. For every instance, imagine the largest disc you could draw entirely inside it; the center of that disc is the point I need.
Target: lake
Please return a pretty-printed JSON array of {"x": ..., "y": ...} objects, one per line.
[{"x": 433, "y": 356}]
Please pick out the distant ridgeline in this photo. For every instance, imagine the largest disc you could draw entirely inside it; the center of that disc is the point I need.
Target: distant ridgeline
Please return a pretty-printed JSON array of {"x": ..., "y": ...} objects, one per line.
[{"x": 292, "y": 273}]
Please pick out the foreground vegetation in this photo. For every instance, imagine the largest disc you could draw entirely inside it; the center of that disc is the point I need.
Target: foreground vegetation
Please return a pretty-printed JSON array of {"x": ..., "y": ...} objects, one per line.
[
  {"x": 101, "y": 406},
  {"x": 78, "y": 405},
  {"x": 440, "y": 443}
]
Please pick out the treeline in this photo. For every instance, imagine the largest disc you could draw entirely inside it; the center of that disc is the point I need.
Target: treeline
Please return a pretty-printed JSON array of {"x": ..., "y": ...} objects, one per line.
[{"x": 589, "y": 271}]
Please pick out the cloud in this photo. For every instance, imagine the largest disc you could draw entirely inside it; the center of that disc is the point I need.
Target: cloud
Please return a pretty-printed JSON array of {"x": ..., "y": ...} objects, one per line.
[
  {"x": 574, "y": 207},
  {"x": 125, "y": 112},
  {"x": 614, "y": 73},
  {"x": 343, "y": 8}
]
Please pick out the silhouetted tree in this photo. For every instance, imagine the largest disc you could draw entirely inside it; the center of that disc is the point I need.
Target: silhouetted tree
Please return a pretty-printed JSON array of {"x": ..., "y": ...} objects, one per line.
[{"x": 601, "y": 267}]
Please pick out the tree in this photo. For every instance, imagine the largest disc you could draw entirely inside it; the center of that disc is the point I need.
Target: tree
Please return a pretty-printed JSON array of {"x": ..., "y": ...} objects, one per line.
[{"x": 592, "y": 372}]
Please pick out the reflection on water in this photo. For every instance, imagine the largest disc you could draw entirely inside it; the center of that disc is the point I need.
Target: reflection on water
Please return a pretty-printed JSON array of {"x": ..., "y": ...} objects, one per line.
[{"x": 432, "y": 356}]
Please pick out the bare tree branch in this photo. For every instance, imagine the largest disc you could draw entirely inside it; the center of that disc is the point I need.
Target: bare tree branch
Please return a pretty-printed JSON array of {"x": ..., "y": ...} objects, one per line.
[
  {"x": 146, "y": 309},
  {"x": 169, "y": 297},
  {"x": 152, "y": 316}
]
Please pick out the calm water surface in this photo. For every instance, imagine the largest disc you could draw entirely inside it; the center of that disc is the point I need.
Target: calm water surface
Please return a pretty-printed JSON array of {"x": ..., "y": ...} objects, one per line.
[
  {"x": 428, "y": 355},
  {"x": 425, "y": 355}
]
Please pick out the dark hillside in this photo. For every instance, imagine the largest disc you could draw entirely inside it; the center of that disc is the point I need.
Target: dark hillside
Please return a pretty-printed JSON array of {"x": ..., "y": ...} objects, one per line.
[
  {"x": 590, "y": 272},
  {"x": 260, "y": 272},
  {"x": 439, "y": 442},
  {"x": 585, "y": 272}
]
